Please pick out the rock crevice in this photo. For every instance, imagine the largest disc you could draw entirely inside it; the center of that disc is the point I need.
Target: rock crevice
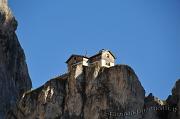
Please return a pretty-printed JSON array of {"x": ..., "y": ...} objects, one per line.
[{"x": 91, "y": 92}]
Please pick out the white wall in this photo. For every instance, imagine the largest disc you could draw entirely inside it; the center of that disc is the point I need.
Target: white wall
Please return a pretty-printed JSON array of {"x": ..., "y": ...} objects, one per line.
[
  {"x": 85, "y": 62},
  {"x": 103, "y": 63}
]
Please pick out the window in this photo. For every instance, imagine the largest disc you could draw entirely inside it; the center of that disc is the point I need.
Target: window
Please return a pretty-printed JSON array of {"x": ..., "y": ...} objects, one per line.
[
  {"x": 75, "y": 60},
  {"x": 108, "y": 63},
  {"x": 107, "y": 55}
]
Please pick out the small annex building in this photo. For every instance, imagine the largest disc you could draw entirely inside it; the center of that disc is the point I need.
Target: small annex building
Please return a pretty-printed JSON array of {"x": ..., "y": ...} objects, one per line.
[
  {"x": 104, "y": 58},
  {"x": 77, "y": 60}
]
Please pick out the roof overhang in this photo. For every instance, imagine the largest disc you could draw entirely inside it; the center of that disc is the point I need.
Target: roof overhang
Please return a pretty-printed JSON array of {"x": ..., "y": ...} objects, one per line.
[
  {"x": 100, "y": 53},
  {"x": 75, "y": 56}
]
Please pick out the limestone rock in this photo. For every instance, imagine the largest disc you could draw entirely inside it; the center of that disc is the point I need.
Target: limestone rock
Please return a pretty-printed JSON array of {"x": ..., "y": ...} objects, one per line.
[
  {"x": 91, "y": 92},
  {"x": 173, "y": 102},
  {"x": 85, "y": 93},
  {"x": 153, "y": 107},
  {"x": 14, "y": 77},
  {"x": 46, "y": 102}
]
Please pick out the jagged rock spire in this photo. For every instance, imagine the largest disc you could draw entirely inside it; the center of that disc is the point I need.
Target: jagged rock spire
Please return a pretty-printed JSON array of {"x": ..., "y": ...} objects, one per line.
[
  {"x": 4, "y": 6},
  {"x": 3, "y": 2},
  {"x": 4, "y": 9},
  {"x": 14, "y": 77},
  {"x": 7, "y": 20}
]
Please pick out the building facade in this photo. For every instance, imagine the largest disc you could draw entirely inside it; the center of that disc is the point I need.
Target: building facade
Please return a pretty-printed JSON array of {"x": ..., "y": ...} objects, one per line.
[{"x": 104, "y": 58}]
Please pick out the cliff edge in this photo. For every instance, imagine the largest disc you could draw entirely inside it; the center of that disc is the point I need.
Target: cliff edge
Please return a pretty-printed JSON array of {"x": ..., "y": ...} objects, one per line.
[
  {"x": 14, "y": 77},
  {"x": 85, "y": 93},
  {"x": 95, "y": 92}
]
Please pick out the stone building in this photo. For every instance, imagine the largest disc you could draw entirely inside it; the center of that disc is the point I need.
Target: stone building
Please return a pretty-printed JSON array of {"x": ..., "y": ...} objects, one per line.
[
  {"x": 104, "y": 58},
  {"x": 77, "y": 60}
]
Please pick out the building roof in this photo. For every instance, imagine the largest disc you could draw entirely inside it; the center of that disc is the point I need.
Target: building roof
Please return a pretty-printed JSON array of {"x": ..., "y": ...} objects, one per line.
[
  {"x": 73, "y": 55},
  {"x": 100, "y": 53}
]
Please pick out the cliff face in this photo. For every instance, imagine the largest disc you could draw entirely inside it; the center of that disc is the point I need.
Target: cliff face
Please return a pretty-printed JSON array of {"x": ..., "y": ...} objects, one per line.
[
  {"x": 84, "y": 93},
  {"x": 174, "y": 101},
  {"x": 95, "y": 93},
  {"x": 14, "y": 77}
]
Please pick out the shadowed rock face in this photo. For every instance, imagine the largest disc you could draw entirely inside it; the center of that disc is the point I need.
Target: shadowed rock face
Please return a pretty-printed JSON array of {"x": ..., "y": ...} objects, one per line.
[
  {"x": 94, "y": 93},
  {"x": 150, "y": 104},
  {"x": 14, "y": 77},
  {"x": 85, "y": 93},
  {"x": 174, "y": 101}
]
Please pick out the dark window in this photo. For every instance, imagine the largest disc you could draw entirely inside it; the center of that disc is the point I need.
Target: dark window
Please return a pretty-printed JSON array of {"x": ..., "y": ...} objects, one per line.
[
  {"x": 75, "y": 60},
  {"x": 108, "y": 63},
  {"x": 107, "y": 55}
]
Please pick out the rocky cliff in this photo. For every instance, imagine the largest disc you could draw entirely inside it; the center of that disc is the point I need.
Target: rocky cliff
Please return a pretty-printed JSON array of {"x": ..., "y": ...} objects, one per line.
[
  {"x": 95, "y": 93},
  {"x": 85, "y": 93},
  {"x": 14, "y": 77},
  {"x": 91, "y": 92},
  {"x": 174, "y": 101}
]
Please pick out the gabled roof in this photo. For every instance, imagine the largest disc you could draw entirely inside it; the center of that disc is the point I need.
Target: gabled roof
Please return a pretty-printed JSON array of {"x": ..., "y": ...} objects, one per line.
[
  {"x": 100, "y": 53},
  {"x": 73, "y": 55}
]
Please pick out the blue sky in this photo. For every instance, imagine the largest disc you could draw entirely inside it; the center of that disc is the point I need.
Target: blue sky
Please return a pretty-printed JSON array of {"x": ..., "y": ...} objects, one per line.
[{"x": 145, "y": 34}]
